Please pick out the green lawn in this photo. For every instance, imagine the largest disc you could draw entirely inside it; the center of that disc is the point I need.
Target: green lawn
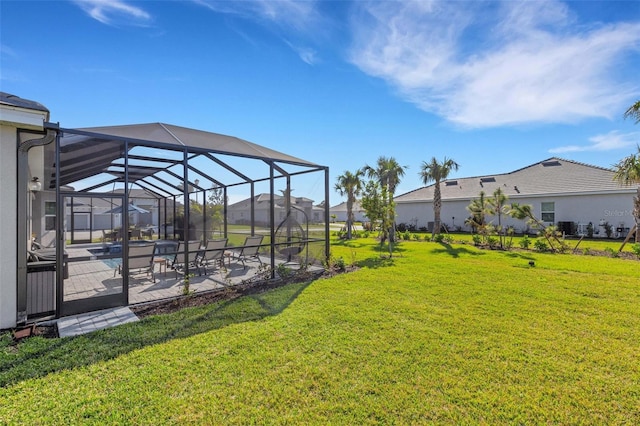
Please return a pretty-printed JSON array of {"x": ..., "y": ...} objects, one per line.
[{"x": 438, "y": 334}]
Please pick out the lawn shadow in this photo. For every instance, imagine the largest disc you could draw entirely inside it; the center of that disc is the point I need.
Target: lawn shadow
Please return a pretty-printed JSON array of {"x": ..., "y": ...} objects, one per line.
[
  {"x": 519, "y": 255},
  {"x": 375, "y": 262},
  {"x": 37, "y": 356},
  {"x": 455, "y": 251}
]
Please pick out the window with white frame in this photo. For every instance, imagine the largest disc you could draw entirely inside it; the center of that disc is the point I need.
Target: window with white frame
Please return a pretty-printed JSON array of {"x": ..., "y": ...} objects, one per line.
[
  {"x": 547, "y": 212},
  {"x": 49, "y": 215}
]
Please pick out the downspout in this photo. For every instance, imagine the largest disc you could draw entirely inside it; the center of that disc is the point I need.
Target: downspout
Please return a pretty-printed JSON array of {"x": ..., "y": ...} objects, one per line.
[{"x": 23, "y": 235}]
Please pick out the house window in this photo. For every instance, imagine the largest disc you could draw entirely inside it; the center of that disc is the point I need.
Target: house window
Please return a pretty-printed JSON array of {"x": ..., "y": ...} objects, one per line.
[
  {"x": 548, "y": 212},
  {"x": 50, "y": 215}
]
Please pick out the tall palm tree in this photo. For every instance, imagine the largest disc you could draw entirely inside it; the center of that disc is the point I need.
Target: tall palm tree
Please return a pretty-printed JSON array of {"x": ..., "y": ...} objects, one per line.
[
  {"x": 349, "y": 184},
  {"x": 436, "y": 172},
  {"x": 388, "y": 173},
  {"x": 627, "y": 172},
  {"x": 633, "y": 112}
]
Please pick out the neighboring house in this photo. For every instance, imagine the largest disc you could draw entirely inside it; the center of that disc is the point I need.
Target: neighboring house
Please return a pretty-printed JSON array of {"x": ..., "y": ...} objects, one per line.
[
  {"x": 302, "y": 210},
  {"x": 340, "y": 211},
  {"x": 562, "y": 192}
]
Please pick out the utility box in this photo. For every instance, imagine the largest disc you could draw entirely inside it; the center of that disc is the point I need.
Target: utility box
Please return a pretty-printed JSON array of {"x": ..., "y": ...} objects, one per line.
[{"x": 41, "y": 288}]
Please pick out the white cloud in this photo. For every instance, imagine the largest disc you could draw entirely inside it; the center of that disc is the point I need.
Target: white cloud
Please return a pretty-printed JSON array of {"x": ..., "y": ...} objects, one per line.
[
  {"x": 499, "y": 63},
  {"x": 285, "y": 13},
  {"x": 114, "y": 12},
  {"x": 607, "y": 142},
  {"x": 290, "y": 17}
]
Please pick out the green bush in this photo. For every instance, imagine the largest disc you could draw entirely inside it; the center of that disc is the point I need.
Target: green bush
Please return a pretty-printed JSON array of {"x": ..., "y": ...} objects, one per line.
[
  {"x": 525, "y": 242},
  {"x": 540, "y": 245},
  {"x": 492, "y": 241},
  {"x": 477, "y": 239},
  {"x": 636, "y": 249}
]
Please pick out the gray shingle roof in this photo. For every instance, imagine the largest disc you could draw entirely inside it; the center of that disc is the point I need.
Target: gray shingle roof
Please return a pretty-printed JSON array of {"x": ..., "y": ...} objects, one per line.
[{"x": 553, "y": 176}]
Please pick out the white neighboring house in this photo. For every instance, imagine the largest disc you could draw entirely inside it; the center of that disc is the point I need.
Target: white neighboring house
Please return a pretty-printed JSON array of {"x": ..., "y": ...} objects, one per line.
[
  {"x": 562, "y": 192},
  {"x": 340, "y": 211},
  {"x": 240, "y": 212}
]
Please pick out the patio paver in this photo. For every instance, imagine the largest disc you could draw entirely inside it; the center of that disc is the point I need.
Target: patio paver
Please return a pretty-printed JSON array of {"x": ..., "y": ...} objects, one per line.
[{"x": 76, "y": 325}]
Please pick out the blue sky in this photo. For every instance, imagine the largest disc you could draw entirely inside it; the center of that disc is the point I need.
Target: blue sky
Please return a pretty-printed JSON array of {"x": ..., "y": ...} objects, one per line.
[{"x": 494, "y": 85}]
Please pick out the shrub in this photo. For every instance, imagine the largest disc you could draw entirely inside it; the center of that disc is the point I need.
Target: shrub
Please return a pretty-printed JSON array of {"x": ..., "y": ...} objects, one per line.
[
  {"x": 284, "y": 271},
  {"x": 611, "y": 252},
  {"x": 525, "y": 242},
  {"x": 406, "y": 235},
  {"x": 492, "y": 241},
  {"x": 415, "y": 237},
  {"x": 477, "y": 239},
  {"x": 586, "y": 251},
  {"x": 540, "y": 245},
  {"x": 438, "y": 238},
  {"x": 636, "y": 249},
  {"x": 447, "y": 239}
]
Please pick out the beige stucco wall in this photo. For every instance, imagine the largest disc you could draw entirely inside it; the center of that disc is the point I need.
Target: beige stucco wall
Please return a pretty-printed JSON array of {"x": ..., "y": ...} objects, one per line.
[
  {"x": 11, "y": 119},
  {"x": 8, "y": 222}
]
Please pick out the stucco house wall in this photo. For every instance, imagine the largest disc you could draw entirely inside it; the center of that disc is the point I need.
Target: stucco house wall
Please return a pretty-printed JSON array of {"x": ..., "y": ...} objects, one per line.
[
  {"x": 240, "y": 212},
  {"x": 13, "y": 116},
  {"x": 340, "y": 211},
  {"x": 8, "y": 220}
]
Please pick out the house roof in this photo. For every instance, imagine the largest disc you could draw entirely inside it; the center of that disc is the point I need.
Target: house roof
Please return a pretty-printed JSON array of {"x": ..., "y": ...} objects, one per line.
[
  {"x": 266, "y": 198},
  {"x": 554, "y": 176},
  {"x": 342, "y": 207},
  {"x": 16, "y": 101}
]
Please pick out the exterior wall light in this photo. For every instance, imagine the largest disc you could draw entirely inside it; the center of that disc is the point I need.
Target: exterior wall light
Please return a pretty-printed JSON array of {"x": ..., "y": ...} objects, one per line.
[{"x": 35, "y": 185}]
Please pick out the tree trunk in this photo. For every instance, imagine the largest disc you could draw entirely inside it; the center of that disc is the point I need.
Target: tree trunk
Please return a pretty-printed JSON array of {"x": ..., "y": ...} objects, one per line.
[
  {"x": 349, "y": 217},
  {"x": 437, "y": 205},
  {"x": 636, "y": 213}
]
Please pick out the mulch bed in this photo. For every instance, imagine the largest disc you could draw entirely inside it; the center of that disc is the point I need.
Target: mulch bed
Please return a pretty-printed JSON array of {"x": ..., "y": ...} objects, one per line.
[{"x": 229, "y": 293}]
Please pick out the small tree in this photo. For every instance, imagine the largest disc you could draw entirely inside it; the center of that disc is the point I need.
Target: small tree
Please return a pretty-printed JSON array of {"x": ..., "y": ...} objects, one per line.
[
  {"x": 388, "y": 173},
  {"x": 627, "y": 172},
  {"x": 478, "y": 208},
  {"x": 498, "y": 207},
  {"x": 378, "y": 208}
]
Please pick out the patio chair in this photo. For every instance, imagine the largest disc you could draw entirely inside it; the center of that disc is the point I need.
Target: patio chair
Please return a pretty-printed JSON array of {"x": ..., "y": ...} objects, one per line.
[
  {"x": 195, "y": 253},
  {"x": 140, "y": 258},
  {"x": 249, "y": 250},
  {"x": 213, "y": 253}
]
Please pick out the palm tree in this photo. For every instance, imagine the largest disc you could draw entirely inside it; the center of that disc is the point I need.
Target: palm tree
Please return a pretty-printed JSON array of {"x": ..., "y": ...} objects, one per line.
[
  {"x": 349, "y": 184},
  {"x": 627, "y": 172},
  {"x": 436, "y": 172},
  {"x": 388, "y": 173},
  {"x": 633, "y": 112},
  {"x": 478, "y": 209}
]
